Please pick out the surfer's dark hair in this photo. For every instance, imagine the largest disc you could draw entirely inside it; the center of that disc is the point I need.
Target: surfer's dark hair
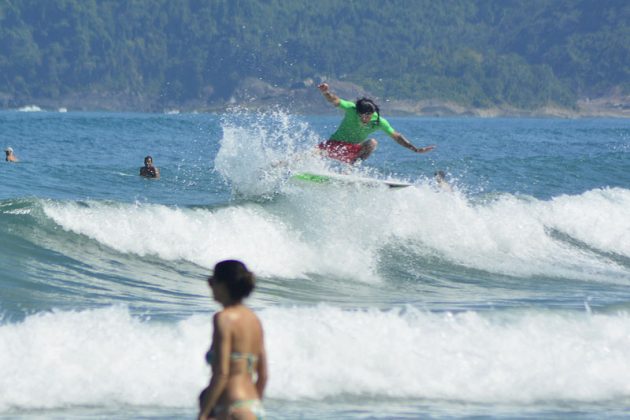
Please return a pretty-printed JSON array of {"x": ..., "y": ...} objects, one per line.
[
  {"x": 367, "y": 106},
  {"x": 238, "y": 279}
]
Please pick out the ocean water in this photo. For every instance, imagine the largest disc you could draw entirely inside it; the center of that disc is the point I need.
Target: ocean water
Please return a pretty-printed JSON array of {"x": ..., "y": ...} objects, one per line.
[{"x": 507, "y": 297}]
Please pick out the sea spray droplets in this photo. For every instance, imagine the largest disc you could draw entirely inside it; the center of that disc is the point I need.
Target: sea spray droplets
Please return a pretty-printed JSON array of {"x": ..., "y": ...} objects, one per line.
[{"x": 257, "y": 148}]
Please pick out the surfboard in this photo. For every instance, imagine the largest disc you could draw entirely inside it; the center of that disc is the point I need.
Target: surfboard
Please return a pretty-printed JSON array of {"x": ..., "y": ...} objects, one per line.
[{"x": 332, "y": 178}]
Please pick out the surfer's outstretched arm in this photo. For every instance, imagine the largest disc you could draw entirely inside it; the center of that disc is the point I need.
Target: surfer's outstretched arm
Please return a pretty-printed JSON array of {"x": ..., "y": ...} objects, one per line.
[
  {"x": 402, "y": 140},
  {"x": 330, "y": 97}
]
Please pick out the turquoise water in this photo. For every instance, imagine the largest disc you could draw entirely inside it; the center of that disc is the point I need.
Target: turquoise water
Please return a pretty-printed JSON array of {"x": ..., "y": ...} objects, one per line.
[{"x": 507, "y": 297}]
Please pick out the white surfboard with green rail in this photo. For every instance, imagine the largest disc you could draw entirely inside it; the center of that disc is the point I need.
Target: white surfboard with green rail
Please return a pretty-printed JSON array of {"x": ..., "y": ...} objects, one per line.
[{"x": 332, "y": 178}]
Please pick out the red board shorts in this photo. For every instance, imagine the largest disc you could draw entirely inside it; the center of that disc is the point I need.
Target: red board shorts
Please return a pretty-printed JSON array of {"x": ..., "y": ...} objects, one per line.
[{"x": 341, "y": 150}]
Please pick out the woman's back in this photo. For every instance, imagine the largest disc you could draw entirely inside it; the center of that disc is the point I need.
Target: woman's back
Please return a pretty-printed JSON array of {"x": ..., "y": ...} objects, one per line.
[
  {"x": 243, "y": 331},
  {"x": 246, "y": 340}
]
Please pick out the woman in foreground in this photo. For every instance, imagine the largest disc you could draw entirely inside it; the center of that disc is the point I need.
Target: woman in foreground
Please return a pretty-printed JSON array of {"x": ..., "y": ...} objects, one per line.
[{"x": 237, "y": 354}]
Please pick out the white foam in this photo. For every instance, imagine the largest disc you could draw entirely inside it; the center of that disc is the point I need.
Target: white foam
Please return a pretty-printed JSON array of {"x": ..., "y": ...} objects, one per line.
[
  {"x": 200, "y": 236},
  {"x": 599, "y": 218},
  {"x": 17, "y": 211},
  {"x": 534, "y": 356},
  {"x": 512, "y": 235},
  {"x": 100, "y": 357},
  {"x": 30, "y": 108},
  {"x": 106, "y": 357},
  {"x": 342, "y": 231}
]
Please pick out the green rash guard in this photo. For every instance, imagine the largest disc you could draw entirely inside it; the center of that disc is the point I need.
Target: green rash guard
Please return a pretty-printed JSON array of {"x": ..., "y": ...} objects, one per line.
[{"x": 352, "y": 130}]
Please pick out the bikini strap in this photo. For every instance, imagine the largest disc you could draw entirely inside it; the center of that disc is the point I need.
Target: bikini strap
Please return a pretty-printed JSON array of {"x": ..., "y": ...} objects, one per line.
[{"x": 251, "y": 359}]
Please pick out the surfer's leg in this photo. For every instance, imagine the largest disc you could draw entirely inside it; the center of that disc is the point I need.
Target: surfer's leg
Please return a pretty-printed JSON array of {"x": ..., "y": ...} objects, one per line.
[{"x": 367, "y": 147}]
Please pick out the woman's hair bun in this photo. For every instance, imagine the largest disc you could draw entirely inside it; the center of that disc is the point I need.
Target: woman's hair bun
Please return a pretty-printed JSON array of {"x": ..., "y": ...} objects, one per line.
[{"x": 239, "y": 280}]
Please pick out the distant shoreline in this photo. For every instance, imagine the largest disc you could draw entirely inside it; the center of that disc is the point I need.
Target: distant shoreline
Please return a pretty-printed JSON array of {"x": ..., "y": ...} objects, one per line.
[
  {"x": 255, "y": 94},
  {"x": 409, "y": 109},
  {"x": 395, "y": 109}
]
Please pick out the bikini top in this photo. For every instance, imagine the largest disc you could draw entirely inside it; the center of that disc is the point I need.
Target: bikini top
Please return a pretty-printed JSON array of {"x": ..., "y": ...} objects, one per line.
[{"x": 235, "y": 355}]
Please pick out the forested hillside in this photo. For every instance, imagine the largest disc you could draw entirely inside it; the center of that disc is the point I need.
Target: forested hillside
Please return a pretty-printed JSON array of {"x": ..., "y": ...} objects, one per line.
[{"x": 523, "y": 53}]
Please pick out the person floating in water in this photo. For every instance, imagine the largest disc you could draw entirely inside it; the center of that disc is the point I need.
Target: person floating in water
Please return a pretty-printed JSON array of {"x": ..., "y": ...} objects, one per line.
[
  {"x": 440, "y": 180},
  {"x": 10, "y": 156},
  {"x": 237, "y": 354},
  {"x": 148, "y": 170},
  {"x": 350, "y": 143}
]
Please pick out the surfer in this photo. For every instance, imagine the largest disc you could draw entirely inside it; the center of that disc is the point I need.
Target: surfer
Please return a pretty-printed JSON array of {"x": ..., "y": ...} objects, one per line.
[
  {"x": 10, "y": 156},
  {"x": 237, "y": 354},
  {"x": 350, "y": 143},
  {"x": 148, "y": 170}
]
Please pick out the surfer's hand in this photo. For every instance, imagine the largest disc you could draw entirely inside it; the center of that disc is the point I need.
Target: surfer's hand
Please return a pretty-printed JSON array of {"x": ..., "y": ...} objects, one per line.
[
  {"x": 323, "y": 87},
  {"x": 424, "y": 149}
]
